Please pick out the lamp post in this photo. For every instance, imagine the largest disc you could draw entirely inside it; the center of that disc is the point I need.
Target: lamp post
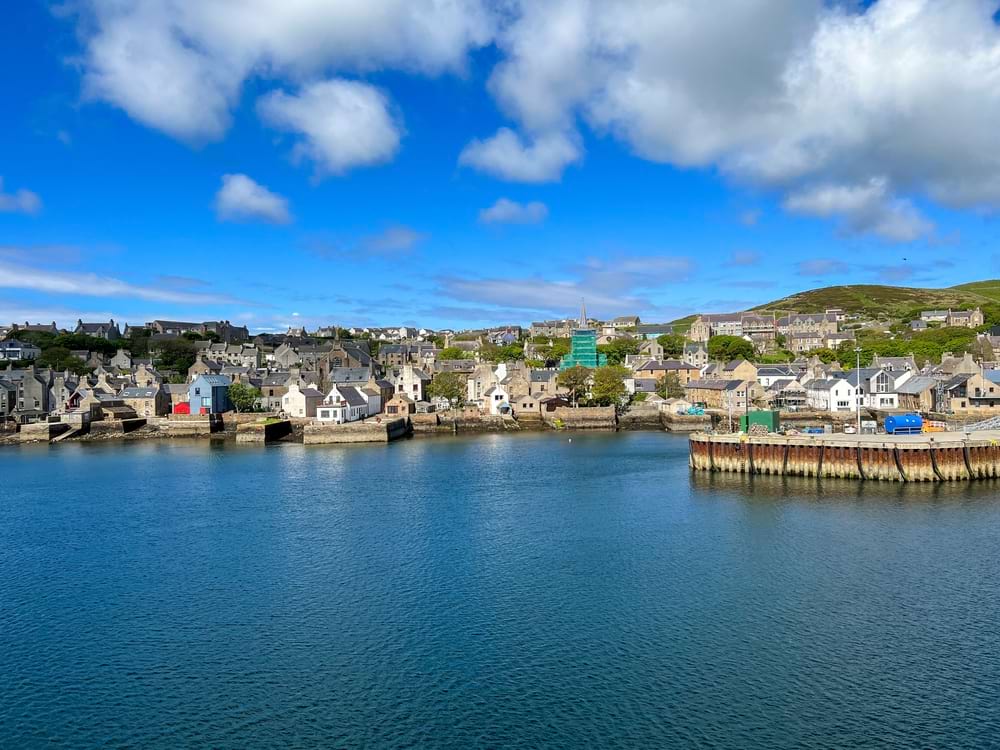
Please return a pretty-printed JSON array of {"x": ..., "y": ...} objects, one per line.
[{"x": 857, "y": 393}]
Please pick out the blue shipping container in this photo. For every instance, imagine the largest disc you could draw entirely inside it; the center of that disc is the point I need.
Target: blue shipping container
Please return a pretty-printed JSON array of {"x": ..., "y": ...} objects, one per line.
[{"x": 904, "y": 424}]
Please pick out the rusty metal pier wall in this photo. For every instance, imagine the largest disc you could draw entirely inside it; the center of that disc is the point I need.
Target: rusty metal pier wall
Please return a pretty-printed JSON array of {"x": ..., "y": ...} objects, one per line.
[{"x": 941, "y": 457}]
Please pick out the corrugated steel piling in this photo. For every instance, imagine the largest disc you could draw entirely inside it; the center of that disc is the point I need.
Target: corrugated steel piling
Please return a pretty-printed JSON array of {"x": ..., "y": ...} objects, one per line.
[{"x": 938, "y": 457}]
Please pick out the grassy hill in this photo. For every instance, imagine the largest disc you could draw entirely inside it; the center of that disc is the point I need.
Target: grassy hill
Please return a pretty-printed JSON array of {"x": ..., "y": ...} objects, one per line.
[{"x": 888, "y": 301}]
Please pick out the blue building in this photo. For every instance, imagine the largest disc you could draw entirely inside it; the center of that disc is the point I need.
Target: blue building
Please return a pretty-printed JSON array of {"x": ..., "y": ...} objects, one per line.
[{"x": 209, "y": 394}]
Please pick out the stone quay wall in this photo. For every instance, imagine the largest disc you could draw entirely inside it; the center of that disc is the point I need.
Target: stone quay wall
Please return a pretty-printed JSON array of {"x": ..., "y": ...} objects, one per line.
[{"x": 369, "y": 431}]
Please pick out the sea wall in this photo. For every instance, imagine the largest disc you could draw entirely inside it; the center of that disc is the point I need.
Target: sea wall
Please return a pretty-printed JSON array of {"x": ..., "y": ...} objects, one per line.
[
  {"x": 588, "y": 418},
  {"x": 194, "y": 425},
  {"x": 369, "y": 431},
  {"x": 263, "y": 431},
  {"x": 909, "y": 458},
  {"x": 42, "y": 432}
]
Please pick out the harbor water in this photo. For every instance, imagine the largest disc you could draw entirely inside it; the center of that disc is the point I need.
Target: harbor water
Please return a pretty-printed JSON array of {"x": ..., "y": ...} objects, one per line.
[{"x": 487, "y": 591}]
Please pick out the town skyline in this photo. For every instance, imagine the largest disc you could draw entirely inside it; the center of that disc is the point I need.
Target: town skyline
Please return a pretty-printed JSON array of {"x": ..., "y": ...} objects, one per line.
[{"x": 298, "y": 177}]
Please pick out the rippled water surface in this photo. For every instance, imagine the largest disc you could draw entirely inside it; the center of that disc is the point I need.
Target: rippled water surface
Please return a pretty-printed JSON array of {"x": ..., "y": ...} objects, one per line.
[{"x": 497, "y": 591}]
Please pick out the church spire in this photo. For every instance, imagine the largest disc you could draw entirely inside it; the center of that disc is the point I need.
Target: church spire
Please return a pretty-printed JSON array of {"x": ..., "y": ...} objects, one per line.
[{"x": 583, "y": 313}]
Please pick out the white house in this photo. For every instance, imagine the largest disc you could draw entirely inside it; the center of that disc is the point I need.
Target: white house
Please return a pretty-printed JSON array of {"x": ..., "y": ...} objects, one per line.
[
  {"x": 348, "y": 403},
  {"x": 834, "y": 394},
  {"x": 301, "y": 402},
  {"x": 496, "y": 401},
  {"x": 878, "y": 386}
]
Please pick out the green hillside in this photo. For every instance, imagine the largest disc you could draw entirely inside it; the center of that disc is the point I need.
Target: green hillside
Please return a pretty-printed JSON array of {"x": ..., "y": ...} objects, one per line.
[{"x": 879, "y": 300}]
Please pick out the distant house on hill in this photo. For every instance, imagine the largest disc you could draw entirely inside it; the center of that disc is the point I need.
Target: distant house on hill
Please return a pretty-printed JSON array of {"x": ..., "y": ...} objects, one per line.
[{"x": 108, "y": 331}]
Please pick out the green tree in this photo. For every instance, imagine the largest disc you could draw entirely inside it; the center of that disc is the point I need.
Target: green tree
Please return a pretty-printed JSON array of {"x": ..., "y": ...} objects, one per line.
[
  {"x": 176, "y": 354},
  {"x": 670, "y": 386},
  {"x": 509, "y": 353},
  {"x": 673, "y": 345},
  {"x": 726, "y": 348},
  {"x": 609, "y": 385},
  {"x": 451, "y": 352},
  {"x": 825, "y": 355},
  {"x": 617, "y": 349},
  {"x": 60, "y": 358},
  {"x": 574, "y": 379},
  {"x": 449, "y": 385},
  {"x": 244, "y": 397}
]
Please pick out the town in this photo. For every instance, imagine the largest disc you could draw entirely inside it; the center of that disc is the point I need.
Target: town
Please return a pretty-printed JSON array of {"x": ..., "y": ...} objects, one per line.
[{"x": 836, "y": 369}]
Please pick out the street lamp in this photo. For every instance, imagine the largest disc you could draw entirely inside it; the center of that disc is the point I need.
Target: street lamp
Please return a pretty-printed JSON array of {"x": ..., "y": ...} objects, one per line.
[{"x": 857, "y": 393}]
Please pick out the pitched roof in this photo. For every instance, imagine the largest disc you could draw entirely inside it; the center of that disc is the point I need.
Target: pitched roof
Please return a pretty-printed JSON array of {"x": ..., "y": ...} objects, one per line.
[
  {"x": 139, "y": 392},
  {"x": 351, "y": 395},
  {"x": 917, "y": 385}
]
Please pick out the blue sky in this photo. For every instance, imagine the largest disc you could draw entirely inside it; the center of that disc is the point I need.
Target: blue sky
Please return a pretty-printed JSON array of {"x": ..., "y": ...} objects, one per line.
[{"x": 469, "y": 163}]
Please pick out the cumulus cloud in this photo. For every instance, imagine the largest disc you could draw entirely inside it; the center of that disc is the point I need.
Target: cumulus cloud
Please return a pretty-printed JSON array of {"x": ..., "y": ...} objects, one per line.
[
  {"x": 865, "y": 208},
  {"x": 19, "y": 202},
  {"x": 242, "y": 199},
  {"x": 180, "y": 66},
  {"x": 506, "y": 211},
  {"x": 820, "y": 94},
  {"x": 508, "y": 156},
  {"x": 343, "y": 124}
]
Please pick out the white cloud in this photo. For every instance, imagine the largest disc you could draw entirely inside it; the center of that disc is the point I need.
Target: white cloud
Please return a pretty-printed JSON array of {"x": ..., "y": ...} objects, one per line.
[
  {"x": 394, "y": 240},
  {"x": 820, "y": 93},
  {"x": 179, "y": 66},
  {"x": 343, "y": 124},
  {"x": 17, "y": 276},
  {"x": 866, "y": 208},
  {"x": 507, "y": 156},
  {"x": 19, "y": 202},
  {"x": 611, "y": 286},
  {"x": 242, "y": 199},
  {"x": 822, "y": 267},
  {"x": 506, "y": 211}
]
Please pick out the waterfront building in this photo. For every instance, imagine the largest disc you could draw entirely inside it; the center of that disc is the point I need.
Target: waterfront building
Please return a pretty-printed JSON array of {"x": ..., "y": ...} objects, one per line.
[{"x": 583, "y": 347}]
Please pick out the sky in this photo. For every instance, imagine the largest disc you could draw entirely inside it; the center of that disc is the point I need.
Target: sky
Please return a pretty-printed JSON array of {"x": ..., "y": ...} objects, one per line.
[{"x": 460, "y": 163}]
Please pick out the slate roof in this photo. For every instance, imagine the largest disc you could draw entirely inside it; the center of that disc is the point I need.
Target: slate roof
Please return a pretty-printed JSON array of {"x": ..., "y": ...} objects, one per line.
[
  {"x": 714, "y": 385},
  {"x": 139, "y": 392},
  {"x": 351, "y": 395},
  {"x": 214, "y": 380},
  {"x": 916, "y": 386},
  {"x": 349, "y": 374}
]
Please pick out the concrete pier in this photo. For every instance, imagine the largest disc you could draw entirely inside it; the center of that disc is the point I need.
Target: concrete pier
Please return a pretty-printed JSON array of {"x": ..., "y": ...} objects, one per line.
[
  {"x": 369, "y": 431},
  {"x": 931, "y": 457}
]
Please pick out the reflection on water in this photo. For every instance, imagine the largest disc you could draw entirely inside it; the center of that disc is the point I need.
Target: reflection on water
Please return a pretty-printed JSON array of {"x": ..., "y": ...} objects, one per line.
[
  {"x": 790, "y": 489},
  {"x": 537, "y": 590}
]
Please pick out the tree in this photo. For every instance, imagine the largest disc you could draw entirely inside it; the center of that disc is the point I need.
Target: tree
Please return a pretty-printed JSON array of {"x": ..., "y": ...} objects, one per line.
[
  {"x": 244, "y": 397},
  {"x": 617, "y": 349},
  {"x": 60, "y": 358},
  {"x": 451, "y": 352},
  {"x": 825, "y": 355},
  {"x": 574, "y": 379},
  {"x": 726, "y": 348},
  {"x": 670, "y": 386},
  {"x": 176, "y": 354},
  {"x": 609, "y": 385},
  {"x": 672, "y": 343},
  {"x": 449, "y": 385},
  {"x": 509, "y": 353}
]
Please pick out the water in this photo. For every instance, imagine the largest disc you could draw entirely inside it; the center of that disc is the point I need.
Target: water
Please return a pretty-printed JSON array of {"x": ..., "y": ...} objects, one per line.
[{"x": 501, "y": 591}]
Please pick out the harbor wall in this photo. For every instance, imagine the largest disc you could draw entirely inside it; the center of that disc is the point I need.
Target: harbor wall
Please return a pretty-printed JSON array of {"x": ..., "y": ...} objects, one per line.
[
  {"x": 263, "y": 431},
  {"x": 369, "y": 431},
  {"x": 942, "y": 458}
]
